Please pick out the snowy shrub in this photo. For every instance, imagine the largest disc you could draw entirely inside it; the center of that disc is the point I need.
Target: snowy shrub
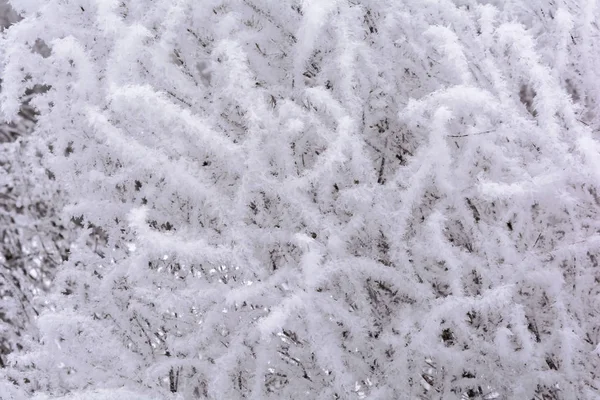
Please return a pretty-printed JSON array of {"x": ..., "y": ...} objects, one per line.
[
  {"x": 324, "y": 199},
  {"x": 32, "y": 237},
  {"x": 33, "y": 241}
]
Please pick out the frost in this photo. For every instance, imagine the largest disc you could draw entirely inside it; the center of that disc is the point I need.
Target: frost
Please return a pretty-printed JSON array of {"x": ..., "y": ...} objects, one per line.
[{"x": 329, "y": 199}]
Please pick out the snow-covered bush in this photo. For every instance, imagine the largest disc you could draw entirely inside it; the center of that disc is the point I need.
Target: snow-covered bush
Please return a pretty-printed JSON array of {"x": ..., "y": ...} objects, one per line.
[
  {"x": 33, "y": 241},
  {"x": 32, "y": 237},
  {"x": 332, "y": 199}
]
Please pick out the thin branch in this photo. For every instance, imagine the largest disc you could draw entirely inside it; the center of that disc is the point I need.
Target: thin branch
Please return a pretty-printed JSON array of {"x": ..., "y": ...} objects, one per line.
[
  {"x": 148, "y": 339},
  {"x": 372, "y": 146},
  {"x": 380, "y": 178},
  {"x": 537, "y": 240},
  {"x": 472, "y": 134}
]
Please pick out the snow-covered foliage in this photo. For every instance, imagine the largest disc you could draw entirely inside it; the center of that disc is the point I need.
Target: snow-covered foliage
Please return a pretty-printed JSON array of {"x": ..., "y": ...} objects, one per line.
[
  {"x": 335, "y": 199},
  {"x": 32, "y": 237},
  {"x": 32, "y": 242}
]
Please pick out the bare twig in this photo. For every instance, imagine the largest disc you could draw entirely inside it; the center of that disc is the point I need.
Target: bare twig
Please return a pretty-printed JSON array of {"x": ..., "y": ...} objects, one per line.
[
  {"x": 471, "y": 134},
  {"x": 380, "y": 178}
]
